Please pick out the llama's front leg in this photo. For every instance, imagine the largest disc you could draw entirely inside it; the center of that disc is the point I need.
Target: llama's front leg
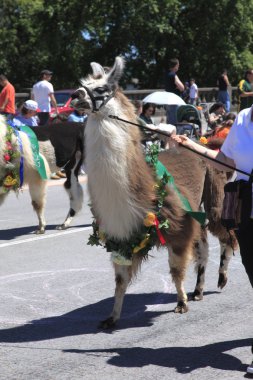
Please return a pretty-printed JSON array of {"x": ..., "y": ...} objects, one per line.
[
  {"x": 226, "y": 252},
  {"x": 201, "y": 252},
  {"x": 123, "y": 275},
  {"x": 178, "y": 265},
  {"x": 37, "y": 189}
]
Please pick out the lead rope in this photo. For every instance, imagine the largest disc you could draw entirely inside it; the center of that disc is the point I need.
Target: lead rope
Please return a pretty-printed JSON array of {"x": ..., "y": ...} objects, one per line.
[{"x": 186, "y": 147}]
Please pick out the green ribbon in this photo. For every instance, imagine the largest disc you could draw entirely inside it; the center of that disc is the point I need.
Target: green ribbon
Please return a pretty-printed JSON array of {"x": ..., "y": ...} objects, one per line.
[
  {"x": 38, "y": 160},
  {"x": 160, "y": 171}
]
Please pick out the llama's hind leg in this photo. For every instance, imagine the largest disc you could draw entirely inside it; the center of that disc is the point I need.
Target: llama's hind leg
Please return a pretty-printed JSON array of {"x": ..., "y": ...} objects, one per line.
[
  {"x": 75, "y": 193},
  {"x": 226, "y": 252},
  {"x": 178, "y": 264},
  {"x": 74, "y": 190},
  {"x": 123, "y": 275},
  {"x": 201, "y": 253},
  {"x": 37, "y": 189}
]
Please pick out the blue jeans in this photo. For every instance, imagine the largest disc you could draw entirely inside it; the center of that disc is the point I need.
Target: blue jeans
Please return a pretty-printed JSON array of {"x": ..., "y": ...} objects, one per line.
[
  {"x": 223, "y": 97},
  {"x": 193, "y": 101},
  {"x": 171, "y": 111}
]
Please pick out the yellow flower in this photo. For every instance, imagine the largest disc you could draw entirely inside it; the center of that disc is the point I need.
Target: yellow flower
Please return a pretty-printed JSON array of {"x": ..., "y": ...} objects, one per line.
[
  {"x": 101, "y": 236},
  {"x": 142, "y": 244},
  {"x": 9, "y": 181},
  {"x": 203, "y": 140},
  {"x": 149, "y": 220}
]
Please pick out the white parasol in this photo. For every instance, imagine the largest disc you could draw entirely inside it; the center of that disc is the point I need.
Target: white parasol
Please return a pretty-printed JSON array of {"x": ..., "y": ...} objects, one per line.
[{"x": 163, "y": 97}]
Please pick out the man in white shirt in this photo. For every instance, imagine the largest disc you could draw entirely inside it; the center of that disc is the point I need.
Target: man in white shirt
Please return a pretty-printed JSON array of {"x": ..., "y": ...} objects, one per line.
[
  {"x": 193, "y": 92},
  {"x": 43, "y": 94}
]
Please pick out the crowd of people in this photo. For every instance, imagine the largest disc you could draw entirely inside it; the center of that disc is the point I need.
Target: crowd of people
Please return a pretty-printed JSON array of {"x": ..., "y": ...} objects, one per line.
[
  {"x": 190, "y": 93},
  {"x": 35, "y": 111}
]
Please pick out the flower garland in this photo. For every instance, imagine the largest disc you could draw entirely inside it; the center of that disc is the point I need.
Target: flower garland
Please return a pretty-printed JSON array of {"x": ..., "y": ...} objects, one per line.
[
  {"x": 150, "y": 233},
  {"x": 10, "y": 179}
]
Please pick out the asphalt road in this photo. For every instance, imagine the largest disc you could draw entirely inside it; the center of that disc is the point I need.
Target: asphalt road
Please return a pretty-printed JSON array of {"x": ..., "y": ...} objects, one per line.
[{"x": 54, "y": 290}]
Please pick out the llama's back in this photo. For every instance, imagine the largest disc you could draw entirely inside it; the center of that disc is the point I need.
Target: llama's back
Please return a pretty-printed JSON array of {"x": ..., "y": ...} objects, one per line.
[{"x": 188, "y": 171}]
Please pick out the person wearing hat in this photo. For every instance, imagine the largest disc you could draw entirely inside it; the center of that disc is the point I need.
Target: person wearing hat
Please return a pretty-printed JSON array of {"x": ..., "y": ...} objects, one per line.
[
  {"x": 27, "y": 115},
  {"x": 43, "y": 94},
  {"x": 77, "y": 116}
]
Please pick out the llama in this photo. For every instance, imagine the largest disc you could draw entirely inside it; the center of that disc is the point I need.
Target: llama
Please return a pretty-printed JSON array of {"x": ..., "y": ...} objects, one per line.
[
  {"x": 122, "y": 185},
  {"x": 122, "y": 190},
  {"x": 14, "y": 146},
  {"x": 18, "y": 145},
  {"x": 63, "y": 146}
]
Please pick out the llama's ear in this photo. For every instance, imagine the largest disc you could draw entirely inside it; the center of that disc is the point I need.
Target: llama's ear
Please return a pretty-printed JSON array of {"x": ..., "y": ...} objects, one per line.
[
  {"x": 97, "y": 69},
  {"x": 116, "y": 72}
]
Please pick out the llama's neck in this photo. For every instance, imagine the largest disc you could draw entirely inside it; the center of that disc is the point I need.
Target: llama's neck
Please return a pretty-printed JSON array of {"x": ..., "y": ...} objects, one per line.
[{"x": 108, "y": 147}]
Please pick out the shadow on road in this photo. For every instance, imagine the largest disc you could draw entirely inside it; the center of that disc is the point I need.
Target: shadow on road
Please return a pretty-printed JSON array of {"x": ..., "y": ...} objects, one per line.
[
  {"x": 12, "y": 233},
  {"x": 86, "y": 319},
  {"x": 183, "y": 359}
]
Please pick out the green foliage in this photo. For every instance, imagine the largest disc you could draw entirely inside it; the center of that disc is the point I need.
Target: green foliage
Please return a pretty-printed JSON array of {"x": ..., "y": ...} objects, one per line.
[{"x": 65, "y": 36}]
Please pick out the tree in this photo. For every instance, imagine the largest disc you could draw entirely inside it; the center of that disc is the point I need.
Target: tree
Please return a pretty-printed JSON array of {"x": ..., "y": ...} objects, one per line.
[{"x": 65, "y": 36}]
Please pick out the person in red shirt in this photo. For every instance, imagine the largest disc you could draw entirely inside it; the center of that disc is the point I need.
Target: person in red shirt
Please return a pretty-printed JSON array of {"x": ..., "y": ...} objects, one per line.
[{"x": 7, "y": 97}]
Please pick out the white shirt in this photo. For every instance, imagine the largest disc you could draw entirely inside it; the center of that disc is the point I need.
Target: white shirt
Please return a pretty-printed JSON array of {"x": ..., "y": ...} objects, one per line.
[
  {"x": 239, "y": 143},
  {"x": 41, "y": 91},
  {"x": 193, "y": 91}
]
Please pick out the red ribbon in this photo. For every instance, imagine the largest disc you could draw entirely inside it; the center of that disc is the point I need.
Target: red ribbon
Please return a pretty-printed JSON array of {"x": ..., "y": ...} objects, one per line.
[{"x": 161, "y": 238}]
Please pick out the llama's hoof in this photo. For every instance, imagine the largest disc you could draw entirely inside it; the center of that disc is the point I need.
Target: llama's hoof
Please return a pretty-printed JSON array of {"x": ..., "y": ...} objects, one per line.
[
  {"x": 222, "y": 280},
  {"x": 40, "y": 231},
  {"x": 181, "y": 307},
  {"x": 196, "y": 296},
  {"x": 107, "y": 323},
  {"x": 61, "y": 227}
]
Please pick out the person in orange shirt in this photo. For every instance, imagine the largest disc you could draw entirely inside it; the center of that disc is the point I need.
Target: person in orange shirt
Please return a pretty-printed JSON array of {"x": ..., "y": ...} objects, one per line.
[
  {"x": 220, "y": 133},
  {"x": 7, "y": 97}
]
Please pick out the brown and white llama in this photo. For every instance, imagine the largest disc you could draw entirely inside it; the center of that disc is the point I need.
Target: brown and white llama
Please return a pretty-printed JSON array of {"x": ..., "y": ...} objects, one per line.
[{"x": 122, "y": 185}]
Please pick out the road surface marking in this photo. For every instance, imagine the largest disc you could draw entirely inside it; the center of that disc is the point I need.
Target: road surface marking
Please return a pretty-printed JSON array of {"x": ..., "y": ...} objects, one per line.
[{"x": 40, "y": 237}]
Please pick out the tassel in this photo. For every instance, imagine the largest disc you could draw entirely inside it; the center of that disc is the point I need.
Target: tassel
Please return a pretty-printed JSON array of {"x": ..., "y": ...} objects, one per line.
[{"x": 161, "y": 238}]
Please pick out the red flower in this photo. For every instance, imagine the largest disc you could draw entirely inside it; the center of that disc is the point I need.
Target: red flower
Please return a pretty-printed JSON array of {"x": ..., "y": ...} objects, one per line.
[
  {"x": 7, "y": 157},
  {"x": 8, "y": 145}
]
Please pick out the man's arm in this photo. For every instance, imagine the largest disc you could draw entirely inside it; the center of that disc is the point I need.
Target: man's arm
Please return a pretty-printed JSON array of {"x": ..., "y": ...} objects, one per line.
[
  {"x": 179, "y": 84},
  {"x": 208, "y": 153},
  {"x": 197, "y": 92},
  {"x": 242, "y": 93},
  {"x": 4, "y": 104},
  {"x": 5, "y": 101},
  {"x": 53, "y": 101},
  {"x": 225, "y": 77}
]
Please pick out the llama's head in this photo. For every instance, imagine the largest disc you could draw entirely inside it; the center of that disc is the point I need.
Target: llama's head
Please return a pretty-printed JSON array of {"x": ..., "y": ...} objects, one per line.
[{"x": 99, "y": 87}]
